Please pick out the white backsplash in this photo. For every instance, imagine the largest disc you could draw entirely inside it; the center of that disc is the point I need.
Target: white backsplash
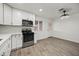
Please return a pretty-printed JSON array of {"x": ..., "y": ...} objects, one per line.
[{"x": 10, "y": 29}]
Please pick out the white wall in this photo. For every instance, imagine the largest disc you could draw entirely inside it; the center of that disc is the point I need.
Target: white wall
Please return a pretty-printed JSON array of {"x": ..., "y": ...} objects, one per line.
[
  {"x": 67, "y": 28},
  {"x": 45, "y": 32}
]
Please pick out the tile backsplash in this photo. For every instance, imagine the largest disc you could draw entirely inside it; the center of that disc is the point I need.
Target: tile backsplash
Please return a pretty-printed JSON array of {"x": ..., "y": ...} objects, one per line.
[{"x": 10, "y": 29}]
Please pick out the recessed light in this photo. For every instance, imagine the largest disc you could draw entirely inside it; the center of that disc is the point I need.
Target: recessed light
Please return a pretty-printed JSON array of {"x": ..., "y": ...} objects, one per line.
[{"x": 40, "y": 10}]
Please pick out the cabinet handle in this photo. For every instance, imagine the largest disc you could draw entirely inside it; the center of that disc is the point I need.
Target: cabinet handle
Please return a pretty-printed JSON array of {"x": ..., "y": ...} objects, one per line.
[{"x": 8, "y": 45}]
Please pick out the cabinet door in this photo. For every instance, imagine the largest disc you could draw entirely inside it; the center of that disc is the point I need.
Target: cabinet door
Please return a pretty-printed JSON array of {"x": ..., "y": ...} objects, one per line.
[
  {"x": 8, "y": 47},
  {"x": 17, "y": 17},
  {"x": 25, "y": 15},
  {"x": 1, "y": 13},
  {"x": 19, "y": 40},
  {"x": 7, "y": 15},
  {"x": 14, "y": 45},
  {"x": 3, "y": 51},
  {"x": 9, "y": 44}
]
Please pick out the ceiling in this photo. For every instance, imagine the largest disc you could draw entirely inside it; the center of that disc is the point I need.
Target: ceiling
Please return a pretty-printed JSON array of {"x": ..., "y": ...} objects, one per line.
[{"x": 50, "y": 10}]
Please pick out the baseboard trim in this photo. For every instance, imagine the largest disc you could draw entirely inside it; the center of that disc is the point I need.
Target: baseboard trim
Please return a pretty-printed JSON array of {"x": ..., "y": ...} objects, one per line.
[{"x": 65, "y": 39}]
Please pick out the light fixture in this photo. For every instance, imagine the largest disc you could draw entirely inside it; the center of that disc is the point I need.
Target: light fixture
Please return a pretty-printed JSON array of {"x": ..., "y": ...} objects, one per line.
[
  {"x": 40, "y": 10},
  {"x": 64, "y": 13}
]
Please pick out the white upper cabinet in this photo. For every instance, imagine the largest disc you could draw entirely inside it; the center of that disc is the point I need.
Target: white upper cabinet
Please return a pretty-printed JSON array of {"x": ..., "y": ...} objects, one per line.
[
  {"x": 28, "y": 16},
  {"x": 7, "y": 15},
  {"x": 32, "y": 17},
  {"x": 17, "y": 17},
  {"x": 12, "y": 16},
  {"x": 1, "y": 13},
  {"x": 25, "y": 15}
]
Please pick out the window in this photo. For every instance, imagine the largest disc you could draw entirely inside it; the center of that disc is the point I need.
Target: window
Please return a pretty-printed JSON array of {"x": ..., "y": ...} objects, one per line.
[{"x": 38, "y": 26}]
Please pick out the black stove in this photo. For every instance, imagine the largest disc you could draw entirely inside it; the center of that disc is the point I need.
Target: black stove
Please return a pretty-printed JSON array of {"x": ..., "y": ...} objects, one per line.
[{"x": 28, "y": 38}]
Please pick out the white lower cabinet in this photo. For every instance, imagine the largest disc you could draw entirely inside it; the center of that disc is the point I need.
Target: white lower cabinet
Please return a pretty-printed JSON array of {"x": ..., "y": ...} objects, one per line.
[
  {"x": 2, "y": 51},
  {"x": 6, "y": 48},
  {"x": 19, "y": 41},
  {"x": 16, "y": 41}
]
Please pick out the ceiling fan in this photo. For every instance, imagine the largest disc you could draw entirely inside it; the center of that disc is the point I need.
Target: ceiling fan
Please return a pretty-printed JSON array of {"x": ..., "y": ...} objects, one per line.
[{"x": 64, "y": 12}]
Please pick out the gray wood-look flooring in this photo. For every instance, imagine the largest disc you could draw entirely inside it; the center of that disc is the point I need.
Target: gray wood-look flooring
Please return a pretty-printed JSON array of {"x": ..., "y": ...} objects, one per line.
[{"x": 49, "y": 47}]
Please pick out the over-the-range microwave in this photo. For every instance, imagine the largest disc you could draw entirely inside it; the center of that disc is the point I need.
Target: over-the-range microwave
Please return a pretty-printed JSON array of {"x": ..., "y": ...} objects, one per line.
[{"x": 27, "y": 23}]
